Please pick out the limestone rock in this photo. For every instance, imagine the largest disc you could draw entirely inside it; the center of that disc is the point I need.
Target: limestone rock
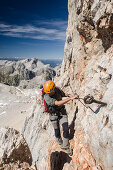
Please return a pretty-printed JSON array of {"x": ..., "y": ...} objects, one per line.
[
  {"x": 87, "y": 68},
  {"x": 40, "y": 133},
  {"x": 14, "y": 151},
  {"x": 88, "y": 59},
  {"x": 28, "y": 73},
  {"x": 58, "y": 69}
]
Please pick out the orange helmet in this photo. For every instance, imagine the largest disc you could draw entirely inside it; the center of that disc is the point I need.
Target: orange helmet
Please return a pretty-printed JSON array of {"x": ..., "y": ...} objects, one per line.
[{"x": 49, "y": 86}]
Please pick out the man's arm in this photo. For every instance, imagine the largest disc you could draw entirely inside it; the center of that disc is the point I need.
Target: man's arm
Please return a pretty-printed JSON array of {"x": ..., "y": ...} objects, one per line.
[
  {"x": 67, "y": 95},
  {"x": 61, "y": 102}
]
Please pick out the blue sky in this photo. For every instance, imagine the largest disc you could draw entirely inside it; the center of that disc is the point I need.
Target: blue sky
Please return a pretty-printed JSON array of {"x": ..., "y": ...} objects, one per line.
[{"x": 34, "y": 28}]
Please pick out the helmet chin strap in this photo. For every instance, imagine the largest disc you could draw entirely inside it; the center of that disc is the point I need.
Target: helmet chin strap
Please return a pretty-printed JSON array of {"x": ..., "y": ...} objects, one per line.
[{"x": 52, "y": 93}]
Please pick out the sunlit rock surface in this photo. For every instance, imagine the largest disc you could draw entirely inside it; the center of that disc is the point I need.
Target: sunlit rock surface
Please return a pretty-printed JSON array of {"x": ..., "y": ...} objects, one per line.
[
  {"x": 14, "y": 151},
  {"x": 87, "y": 68},
  {"x": 15, "y": 105}
]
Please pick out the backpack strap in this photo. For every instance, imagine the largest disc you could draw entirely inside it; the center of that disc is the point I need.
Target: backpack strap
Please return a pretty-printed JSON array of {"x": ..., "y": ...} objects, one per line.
[{"x": 43, "y": 93}]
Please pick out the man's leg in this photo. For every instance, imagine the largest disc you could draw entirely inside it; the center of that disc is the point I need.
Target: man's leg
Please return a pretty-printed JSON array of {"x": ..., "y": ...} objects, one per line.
[
  {"x": 64, "y": 123},
  {"x": 55, "y": 122},
  {"x": 66, "y": 145}
]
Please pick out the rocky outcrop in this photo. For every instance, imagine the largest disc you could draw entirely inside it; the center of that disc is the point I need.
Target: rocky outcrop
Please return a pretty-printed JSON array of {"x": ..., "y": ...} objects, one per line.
[
  {"x": 40, "y": 133},
  {"x": 28, "y": 73},
  {"x": 14, "y": 151},
  {"x": 58, "y": 69},
  {"x": 86, "y": 69},
  {"x": 46, "y": 153}
]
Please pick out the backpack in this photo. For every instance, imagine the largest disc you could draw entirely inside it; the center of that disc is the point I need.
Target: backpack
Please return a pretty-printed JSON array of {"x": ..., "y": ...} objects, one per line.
[
  {"x": 45, "y": 104},
  {"x": 47, "y": 108}
]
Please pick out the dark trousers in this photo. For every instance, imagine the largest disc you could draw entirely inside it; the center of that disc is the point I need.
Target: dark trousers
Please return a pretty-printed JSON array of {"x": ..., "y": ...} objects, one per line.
[{"x": 56, "y": 120}]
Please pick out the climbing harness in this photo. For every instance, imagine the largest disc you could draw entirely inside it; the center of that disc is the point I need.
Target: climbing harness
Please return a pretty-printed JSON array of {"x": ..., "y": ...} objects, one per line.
[{"x": 89, "y": 100}]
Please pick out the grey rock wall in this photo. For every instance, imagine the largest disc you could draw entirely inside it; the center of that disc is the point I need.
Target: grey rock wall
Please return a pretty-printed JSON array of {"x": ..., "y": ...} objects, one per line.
[
  {"x": 14, "y": 151},
  {"x": 88, "y": 69},
  {"x": 38, "y": 133}
]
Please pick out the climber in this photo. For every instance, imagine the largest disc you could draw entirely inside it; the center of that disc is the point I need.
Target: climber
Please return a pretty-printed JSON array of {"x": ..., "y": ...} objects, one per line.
[{"x": 55, "y": 106}]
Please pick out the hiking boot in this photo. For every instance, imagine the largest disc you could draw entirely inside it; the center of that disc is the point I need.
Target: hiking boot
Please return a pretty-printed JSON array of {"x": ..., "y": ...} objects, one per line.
[
  {"x": 60, "y": 142},
  {"x": 68, "y": 150}
]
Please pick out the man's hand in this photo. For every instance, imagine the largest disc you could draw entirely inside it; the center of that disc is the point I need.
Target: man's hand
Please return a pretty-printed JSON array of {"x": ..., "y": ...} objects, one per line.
[
  {"x": 67, "y": 95},
  {"x": 73, "y": 96}
]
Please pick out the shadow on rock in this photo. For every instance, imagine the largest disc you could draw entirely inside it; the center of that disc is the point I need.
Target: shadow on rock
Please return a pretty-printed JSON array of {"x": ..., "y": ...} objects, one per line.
[
  {"x": 15, "y": 150},
  {"x": 58, "y": 159},
  {"x": 72, "y": 125},
  {"x": 105, "y": 32}
]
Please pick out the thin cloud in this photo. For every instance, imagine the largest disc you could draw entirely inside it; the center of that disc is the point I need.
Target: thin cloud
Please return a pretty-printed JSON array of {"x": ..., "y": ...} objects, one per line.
[
  {"x": 59, "y": 24},
  {"x": 11, "y": 34},
  {"x": 4, "y": 26},
  {"x": 33, "y": 32}
]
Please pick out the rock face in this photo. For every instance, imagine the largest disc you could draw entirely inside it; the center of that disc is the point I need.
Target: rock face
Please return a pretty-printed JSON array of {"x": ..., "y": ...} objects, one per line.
[
  {"x": 14, "y": 151},
  {"x": 28, "y": 73},
  {"x": 58, "y": 69},
  {"x": 46, "y": 153},
  {"x": 87, "y": 68}
]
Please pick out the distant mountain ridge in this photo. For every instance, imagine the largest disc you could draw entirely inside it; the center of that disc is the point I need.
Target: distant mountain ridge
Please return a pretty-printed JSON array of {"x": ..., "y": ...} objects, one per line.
[
  {"x": 27, "y": 73},
  {"x": 52, "y": 62}
]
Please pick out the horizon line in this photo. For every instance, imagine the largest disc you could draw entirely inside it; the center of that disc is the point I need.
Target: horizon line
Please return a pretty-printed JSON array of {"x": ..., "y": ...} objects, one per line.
[{"x": 59, "y": 58}]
